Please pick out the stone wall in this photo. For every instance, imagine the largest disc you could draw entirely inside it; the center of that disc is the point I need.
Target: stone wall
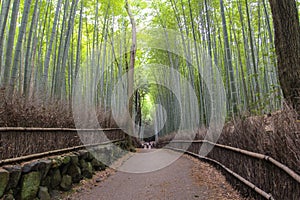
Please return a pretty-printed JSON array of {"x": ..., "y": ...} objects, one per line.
[{"x": 40, "y": 179}]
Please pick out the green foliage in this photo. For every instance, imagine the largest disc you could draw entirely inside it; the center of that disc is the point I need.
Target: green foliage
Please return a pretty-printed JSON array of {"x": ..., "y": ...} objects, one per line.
[{"x": 103, "y": 49}]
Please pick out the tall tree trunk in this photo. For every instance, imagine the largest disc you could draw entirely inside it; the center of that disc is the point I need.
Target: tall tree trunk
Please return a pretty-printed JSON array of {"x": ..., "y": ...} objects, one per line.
[
  {"x": 3, "y": 21},
  {"x": 50, "y": 45},
  {"x": 10, "y": 41},
  {"x": 29, "y": 50},
  {"x": 62, "y": 40},
  {"x": 19, "y": 45},
  {"x": 67, "y": 48},
  {"x": 78, "y": 53},
  {"x": 132, "y": 61},
  {"x": 255, "y": 68},
  {"x": 287, "y": 44},
  {"x": 229, "y": 61}
]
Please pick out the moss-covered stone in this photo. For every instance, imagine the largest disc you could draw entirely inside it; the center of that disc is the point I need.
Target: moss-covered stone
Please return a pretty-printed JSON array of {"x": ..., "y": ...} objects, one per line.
[
  {"x": 84, "y": 154},
  {"x": 46, "y": 182},
  {"x": 66, "y": 160},
  {"x": 55, "y": 178},
  {"x": 66, "y": 183},
  {"x": 44, "y": 194},
  {"x": 9, "y": 195},
  {"x": 44, "y": 167},
  {"x": 14, "y": 175},
  {"x": 30, "y": 166},
  {"x": 108, "y": 156},
  {"x": 30, "y": 185},
  {"x": 4, "y": 177},
  {"x": 75, "y": 172},
  {"x": 97, "y": 165},
  {"x": 82, "y": 163},
  {"x": 103, "y": 155},
  {"x": 90, "y": 155},
  {"x": 57, "y": 162},
  {"x": 87, "y": 170},
  {"x": 74, "y": 159}
]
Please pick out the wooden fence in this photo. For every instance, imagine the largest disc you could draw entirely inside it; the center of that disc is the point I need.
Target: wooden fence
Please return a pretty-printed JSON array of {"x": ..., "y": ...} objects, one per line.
[
  {"x": 265, "y": 177},
  {"x": 17, "y": 142}
]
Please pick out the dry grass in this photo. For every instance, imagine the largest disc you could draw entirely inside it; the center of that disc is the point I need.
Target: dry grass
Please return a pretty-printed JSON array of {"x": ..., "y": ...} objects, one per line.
[
  {"x": 16, "y": 144},
  {"x": 276, "y": 135},
  {"x": 208, "y": 176},
  {"x": 21, "y": 112}
]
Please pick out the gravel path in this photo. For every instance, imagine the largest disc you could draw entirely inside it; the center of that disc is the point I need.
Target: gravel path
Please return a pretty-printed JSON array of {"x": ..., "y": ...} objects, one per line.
[{"x": 186, "y": 178}]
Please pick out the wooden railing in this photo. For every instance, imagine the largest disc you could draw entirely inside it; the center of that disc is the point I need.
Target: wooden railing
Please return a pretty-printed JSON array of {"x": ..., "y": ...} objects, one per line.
[
  {"x": 20, "y": 142},
  {"x": 261, "y": 173},
  {"x": 54, "y": 152}
]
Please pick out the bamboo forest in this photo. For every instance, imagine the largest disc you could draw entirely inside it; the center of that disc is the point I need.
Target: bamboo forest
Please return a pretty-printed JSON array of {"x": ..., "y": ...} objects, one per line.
[
  {"x": 44, "y": 45},
  {"x": 221, "y": 74}
]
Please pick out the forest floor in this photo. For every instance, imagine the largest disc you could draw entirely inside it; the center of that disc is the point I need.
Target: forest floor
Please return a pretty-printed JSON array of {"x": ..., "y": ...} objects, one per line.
[{"x": 186, "y": 178}]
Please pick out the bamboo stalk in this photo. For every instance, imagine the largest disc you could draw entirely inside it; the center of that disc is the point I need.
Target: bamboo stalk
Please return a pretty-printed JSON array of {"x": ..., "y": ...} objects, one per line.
[
  {"x": 54, "y": 152},
  {"x": 290, "y": 172},
  {"x": 3, "y": 129},
  {"x": 281, "y": 166},
  {"x": 240, "y": 178}
]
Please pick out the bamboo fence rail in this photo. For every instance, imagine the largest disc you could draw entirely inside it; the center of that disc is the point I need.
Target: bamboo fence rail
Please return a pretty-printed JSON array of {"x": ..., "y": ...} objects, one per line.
[
  {"x": 23, "y": 141},
  {"x": 286, "y": 169},
  {"x": 4, "y": 129},
  {"x": 54, "y": 152},
  {"x": 240, "y": 178}
]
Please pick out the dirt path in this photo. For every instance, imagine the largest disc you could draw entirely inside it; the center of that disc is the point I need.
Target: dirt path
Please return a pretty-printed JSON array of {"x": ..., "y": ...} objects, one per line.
[{"x": 186, "y": 178}]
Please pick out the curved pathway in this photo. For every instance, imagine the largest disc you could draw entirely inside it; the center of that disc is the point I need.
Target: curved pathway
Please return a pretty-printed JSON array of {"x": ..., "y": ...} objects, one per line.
[{"x": 186, "y": 178}]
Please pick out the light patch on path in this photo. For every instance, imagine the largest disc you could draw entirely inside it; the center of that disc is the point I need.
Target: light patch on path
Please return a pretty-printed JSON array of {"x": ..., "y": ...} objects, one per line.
[{"x": 146, "y": 161}]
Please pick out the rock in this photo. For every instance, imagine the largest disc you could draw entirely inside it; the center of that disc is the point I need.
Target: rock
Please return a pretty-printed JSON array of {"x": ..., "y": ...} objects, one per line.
[
  {"x": 44, "y": 194},
  {"x": 103, "y": 155},
  {"x": 4, "y": 177},
  {"x": 64, "y": 170},
  {"x": 66, "y": 183},
  {"x": 40, "y": 165},
  {"x": 74, "y": 159},
  {"x": 82, "y": 163},
  {"x": 66, "y": 163},
  {"x": 66, "y": 160},
  {"x": 123, "y": 145},
  {"x": 44, "y": 167},
  {"x": 8, "y": 197},
  {"x": 46, "y": 182},
  {"x": 75, "y": 172},
  {"x": 84, "y": 154},
  {"x": 57, "y": 162},
  {"x": 98, "y": 150},
  {"x": 30, "y": 185},
  {"x": 90, "y": 155},
  {"x": 55, "y": 194},
  {"x": 97, "y": 164},
  {"x": 108, "y": 156},
  {"x": 87, "y": 170},
  {"x": 31, "y": 166},
  {"x": 98, "y": 180},
  {"x": 14, "y": 175},
  {"x": 117, "y": 152},
  {"x": 55, "y": 178}
]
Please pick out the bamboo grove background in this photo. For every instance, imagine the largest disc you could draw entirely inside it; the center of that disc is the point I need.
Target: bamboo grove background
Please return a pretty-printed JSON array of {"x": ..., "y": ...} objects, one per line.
[{"x": 46, "y": 44}]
